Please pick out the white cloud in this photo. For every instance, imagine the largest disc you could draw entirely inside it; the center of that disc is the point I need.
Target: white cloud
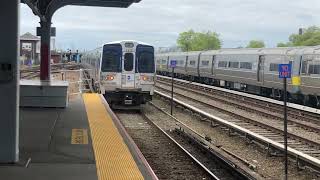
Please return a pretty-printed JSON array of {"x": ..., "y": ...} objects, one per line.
[{"x": 159, "y": 22}]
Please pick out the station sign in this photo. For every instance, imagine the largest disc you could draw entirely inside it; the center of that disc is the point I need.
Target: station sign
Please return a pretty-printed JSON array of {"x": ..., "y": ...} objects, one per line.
[
  {"x": 173, "y": 63},
  {"x": 284, "y": 71}
]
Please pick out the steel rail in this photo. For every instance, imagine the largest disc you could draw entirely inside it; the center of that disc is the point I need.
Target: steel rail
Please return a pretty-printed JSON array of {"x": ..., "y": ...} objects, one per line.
[
  {"x": 261, "y": 111},
  {"x": 295, "y": 154},
  {"x": 202, "y": 140},
  {"x": 251, "y": 96},
  {"x": 181, "y": 147},
  {"x": 252, "y": 120}
]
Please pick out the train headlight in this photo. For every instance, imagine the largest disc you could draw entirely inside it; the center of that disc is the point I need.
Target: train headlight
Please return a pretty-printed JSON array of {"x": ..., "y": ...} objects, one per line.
[
  {"x": 110, "y": 77},
  {"x": 146, "y": 78}
]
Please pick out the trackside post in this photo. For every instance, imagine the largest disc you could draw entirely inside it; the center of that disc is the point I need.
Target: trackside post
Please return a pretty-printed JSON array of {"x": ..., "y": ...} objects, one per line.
[
  {"x": 173, "y": 64},
  {"x": 284, "y": 73}
]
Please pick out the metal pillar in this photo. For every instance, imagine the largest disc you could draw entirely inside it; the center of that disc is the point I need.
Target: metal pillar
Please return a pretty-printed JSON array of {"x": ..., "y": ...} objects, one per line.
[
  {"x": 45, "y": 49},
  {"x": 9, "y": 81}
]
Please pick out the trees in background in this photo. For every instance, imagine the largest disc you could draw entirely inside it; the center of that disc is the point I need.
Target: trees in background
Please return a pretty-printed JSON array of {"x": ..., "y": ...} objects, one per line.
[
  {"x": 309, "y": 37},
  {"x": 256, "y": 44},
  {"x": 198, "y": 41}
]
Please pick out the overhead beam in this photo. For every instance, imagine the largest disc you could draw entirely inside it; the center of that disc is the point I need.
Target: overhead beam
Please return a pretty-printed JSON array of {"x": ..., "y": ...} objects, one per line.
[{"x": 34, "y": 9}]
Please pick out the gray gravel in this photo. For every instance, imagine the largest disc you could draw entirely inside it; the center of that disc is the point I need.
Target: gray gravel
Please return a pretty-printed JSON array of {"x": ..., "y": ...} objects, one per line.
[
  {"x": 268, "y": 167},
  {"x": 165, "y": 158}
]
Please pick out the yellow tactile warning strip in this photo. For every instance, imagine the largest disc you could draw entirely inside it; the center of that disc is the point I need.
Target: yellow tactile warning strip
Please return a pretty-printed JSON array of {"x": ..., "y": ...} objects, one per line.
[
  {"x": 113, "y": 158},
  {"x": 79, "y": 136}
]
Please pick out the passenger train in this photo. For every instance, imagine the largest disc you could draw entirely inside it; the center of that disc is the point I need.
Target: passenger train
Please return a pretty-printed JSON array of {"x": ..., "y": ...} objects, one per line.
[
  {"x": 124, "y": 71},
  {"x": 251, "y": 70}
]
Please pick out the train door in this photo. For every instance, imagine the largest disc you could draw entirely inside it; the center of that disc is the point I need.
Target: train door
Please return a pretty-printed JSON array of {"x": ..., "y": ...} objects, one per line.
[
  {"x": 212, "y": 64},
  {"x": 260, "y": 68},
  {"x": 128, "y": 71}
]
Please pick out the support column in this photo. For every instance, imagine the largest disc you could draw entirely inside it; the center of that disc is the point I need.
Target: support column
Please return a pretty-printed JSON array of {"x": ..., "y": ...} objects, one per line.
[
  {"x": 9, "y": 81},
  {"x": 45, "y": 49}
]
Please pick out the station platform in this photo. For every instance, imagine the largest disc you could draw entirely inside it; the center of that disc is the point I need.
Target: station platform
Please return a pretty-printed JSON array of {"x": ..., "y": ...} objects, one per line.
[{"x": 83, "y": 141}]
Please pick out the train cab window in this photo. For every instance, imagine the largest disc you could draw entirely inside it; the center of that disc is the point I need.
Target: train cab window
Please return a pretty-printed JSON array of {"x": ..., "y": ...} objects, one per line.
[
  {"x": 111, "y": 61},
  {"x": 128, "y": 62},
  {"x": 204, "y": 63},
  {"x": 314, "y": 69},
  {"x": 222, "y": 64},
  {"x": 146, "y": 62},
  {"x": 245, "y": 65},
  {"x": 274, "y": 67},
  {"x": 164, "y": 62},
  {"x": 233, "y": 64}
]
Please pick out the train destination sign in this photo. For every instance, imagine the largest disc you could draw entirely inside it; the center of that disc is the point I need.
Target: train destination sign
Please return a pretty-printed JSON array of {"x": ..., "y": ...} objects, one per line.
[{"x": 284, "y": 70}]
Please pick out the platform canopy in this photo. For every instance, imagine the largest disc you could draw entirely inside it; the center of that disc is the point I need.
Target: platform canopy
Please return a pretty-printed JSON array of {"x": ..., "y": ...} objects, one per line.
[{"x": 46, "y": 8}]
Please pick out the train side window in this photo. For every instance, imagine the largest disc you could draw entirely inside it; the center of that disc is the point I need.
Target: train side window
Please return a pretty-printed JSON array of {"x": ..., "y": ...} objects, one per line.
[
  {"x": 222, "y": 64},
  {"x": 314, "y": 69},
  {"x": 233, "y": 64},
  {"x": 128, "y": 62},
  {"x": 192, "y": 63},
  {"x": 274, "y": 67},
  {"x": 204, "y": 63},
  {"x": 245, "y": 65}
]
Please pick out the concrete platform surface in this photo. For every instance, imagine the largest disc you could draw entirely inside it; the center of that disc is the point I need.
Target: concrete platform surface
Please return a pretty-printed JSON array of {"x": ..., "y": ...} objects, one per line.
[
  {"x": 46, "y": 151},
  {"x": 80, "y": 142}
]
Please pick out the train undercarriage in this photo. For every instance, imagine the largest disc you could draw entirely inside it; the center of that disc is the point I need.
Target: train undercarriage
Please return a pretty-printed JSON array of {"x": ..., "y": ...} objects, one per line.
[{"x": 124, "y": 99}]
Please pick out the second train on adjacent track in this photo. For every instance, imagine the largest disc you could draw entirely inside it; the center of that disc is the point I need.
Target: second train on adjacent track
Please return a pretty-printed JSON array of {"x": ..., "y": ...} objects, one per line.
[{"x": 251, "y": 70}]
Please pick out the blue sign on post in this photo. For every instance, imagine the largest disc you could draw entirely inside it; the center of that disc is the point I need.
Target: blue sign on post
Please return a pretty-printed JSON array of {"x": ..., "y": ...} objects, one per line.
[
  {"x": 173, "y": 63},
  {"x": 284, "y": 70}
]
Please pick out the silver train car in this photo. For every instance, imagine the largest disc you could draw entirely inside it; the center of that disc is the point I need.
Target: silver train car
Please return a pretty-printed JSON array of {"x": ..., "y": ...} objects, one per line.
[
  {"x": 251, "y": 70},
  {"x": 124, "y": 71}
]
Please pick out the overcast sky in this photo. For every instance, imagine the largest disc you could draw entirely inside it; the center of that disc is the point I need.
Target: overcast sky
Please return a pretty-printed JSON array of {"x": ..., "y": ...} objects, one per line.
[{"x": 159, "y": 22}]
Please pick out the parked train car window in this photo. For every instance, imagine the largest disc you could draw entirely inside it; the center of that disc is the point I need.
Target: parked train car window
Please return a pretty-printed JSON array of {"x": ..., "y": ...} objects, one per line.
[
  {"x": 222, "y": 64},
  {"x": 233, "y": 64},
  {"x": 314, "y": 69},
  {"x": 245, "y": 65},
  {"x": 192, "y": 63},
  {"x": 146, "y": 62},
  {"x": 274, "y": 67},
  {"x": 128, "y": 62},
  {"x": 164, "y": 62},
  {"x": 204, "y": 63}
]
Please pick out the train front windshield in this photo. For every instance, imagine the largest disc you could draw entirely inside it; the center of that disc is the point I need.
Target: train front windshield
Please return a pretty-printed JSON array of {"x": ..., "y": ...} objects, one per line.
[
  {"x": 111, "y": 59},
  {"x": 145, "y": 59}
]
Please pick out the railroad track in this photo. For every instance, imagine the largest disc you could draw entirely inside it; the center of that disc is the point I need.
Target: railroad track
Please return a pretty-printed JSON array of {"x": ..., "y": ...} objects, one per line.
[
  {"x": 268, "y": 109},
  {"x": 167, "y": 157},
  {"x": 302, "y": 149},
  {"x": 33, "y": 72},
  {"x": 263, "y": 116},
  {"x": 236, "y": 114}
]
